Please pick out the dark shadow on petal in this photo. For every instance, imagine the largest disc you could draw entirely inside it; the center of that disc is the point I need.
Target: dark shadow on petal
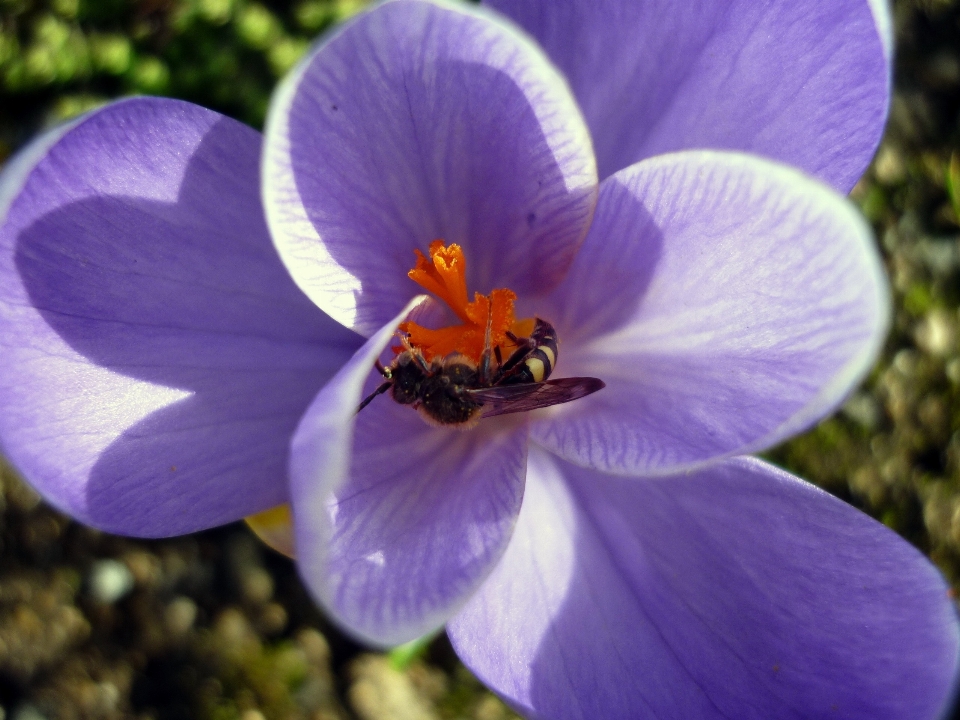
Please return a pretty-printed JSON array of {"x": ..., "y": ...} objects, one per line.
[
  {"x": 188, "y": 295},
  {"x": 611, "y": 273},
  {"x": 471, "y": 167}
]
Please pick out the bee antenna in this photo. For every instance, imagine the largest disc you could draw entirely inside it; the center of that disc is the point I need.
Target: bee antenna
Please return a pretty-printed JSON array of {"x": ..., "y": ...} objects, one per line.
[
  {"x": 379, "y": 391},
  {"x": 487, "y": 335},
  {"x": 485, "y": 358}
]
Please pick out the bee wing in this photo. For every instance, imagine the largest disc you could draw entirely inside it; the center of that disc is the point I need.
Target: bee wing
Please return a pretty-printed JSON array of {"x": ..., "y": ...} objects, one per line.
[{"x": 505, "y": 399}]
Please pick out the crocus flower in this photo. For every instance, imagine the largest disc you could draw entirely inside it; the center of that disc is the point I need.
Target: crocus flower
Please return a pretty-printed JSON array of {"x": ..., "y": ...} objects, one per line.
[{"x": 613, "y": 557}]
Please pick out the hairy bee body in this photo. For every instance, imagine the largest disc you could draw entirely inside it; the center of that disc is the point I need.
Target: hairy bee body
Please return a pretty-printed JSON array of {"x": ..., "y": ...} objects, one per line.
[{"x": 440, "y": 391}]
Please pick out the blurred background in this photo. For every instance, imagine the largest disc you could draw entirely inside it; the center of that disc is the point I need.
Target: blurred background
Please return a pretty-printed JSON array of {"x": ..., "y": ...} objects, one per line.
[{"x": 215, "y": 626}]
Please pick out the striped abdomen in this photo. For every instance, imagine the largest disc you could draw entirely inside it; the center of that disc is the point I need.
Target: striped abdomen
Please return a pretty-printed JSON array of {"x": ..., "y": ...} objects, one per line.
[{"x": 534, "y": 364}]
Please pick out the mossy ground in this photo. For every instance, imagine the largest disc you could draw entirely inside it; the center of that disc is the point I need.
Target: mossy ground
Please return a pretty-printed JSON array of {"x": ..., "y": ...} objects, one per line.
[{"x": 214, "y": 626}]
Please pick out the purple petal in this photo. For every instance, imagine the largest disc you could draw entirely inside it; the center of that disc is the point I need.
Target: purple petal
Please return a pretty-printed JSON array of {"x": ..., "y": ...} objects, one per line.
[
  {"x": 423, "y": 120},
  {"x": 805, "y": 82},
  {"x": 737, "y": 592},
  {"x": 728, "y": 302},
  {"x": 155, "y": 355},
  {"x": 398, "y": 522}
]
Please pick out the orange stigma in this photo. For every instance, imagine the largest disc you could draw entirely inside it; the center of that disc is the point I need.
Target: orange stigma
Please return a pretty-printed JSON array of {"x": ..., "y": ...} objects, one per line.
[{"x": 444, "y": 275}]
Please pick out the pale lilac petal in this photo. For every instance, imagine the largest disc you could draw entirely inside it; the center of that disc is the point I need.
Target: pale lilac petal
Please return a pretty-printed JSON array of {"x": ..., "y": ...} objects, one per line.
[
  {"x": 154, "y": 355},
  {"x": 805, "y": 82},
  {"x": 727, "y": 302},
  {"x": 398, "y": 522},
  {"x": 422, "y": 120},
  {"x": 736, "y": 592}
]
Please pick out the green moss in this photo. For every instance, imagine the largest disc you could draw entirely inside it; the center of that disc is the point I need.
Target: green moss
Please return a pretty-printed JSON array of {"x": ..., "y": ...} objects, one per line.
[
  {"x": 68, "y": 9},
  {"x": 952, "y": 185},
  {"x": 111, "y": 53},
  {"x": 69, "y": 106},
  {"x": 103, "y": 12},
  {"x": 217, "y": 12},
  {"x": 285, "y": 53},
  {"x": 257, "y": 27},
  {"x": 9, "y": 46},
  {"x": 149, "y": 75},
  {"x": 918, "y": 300},
  {"x": 874, "y": 204},
  {"x": 314, "y": 15},
  {"x": 403, "y": 655}
]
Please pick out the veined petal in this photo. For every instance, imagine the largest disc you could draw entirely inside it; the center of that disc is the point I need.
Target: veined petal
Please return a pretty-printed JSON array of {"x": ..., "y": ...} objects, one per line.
[
  {"x": 419, "y": 120},
  {"x": 804, "y": 82},
  {"x": 728, "y": 302},
  {"x": 155, "y": 355},
  {"x": 397, "y": 522},
  {"x": 736, "y": 592}
]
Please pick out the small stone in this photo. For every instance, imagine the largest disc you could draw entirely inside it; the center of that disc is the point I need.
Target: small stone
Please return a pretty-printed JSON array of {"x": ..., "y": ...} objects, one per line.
[
  {"x": 890, "y": 239},
  {"x": 944, "y": 69},
  {"x": 256, "y": 585},
  {"x": 936, "y": 334},
  {"x": 100, "y": 699},
  {"x": 431, "y": 682},
  {"x": 314, "y": 646},
  {"x": 940, "y": 256},
  {"x": 146, "y": 567},
  {"x": 109, "y": 581},
  {"x": 28, "y": 712},
  {"x": 905, "y": 362},
  {"x": 232, "y": 630},
  {"x": 863, "y": 409},
  {"x": 489, "y": 708},
  {"x": 379, "y": 692},
  {"x": 180, "y": 615},
  {"x": 272, "y": 619},
  {"x": 889, "y": 165},
  {"x": 953, "y": 371},
  {"x": 19, "y": 495}
]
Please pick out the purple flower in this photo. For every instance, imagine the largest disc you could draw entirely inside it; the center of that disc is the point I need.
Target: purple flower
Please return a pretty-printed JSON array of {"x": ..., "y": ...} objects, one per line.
[{"x": 161, "y": 373}]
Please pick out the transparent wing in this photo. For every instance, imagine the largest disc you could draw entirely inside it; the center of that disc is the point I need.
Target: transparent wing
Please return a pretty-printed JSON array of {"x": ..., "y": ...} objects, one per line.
[{"x": 507, "y": 399}]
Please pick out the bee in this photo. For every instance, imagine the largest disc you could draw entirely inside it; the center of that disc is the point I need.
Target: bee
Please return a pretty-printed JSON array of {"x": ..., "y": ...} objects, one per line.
[{"x": 455, "y": 390}]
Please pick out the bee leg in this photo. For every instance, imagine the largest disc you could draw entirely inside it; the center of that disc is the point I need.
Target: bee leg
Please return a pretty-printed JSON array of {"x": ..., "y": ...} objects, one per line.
[
  {"x": 484, "y": 371},
  {"x": 379, "y": 391},
  {"x": 494, "y": 377},
  {"x": 516, "y": 359},
  {"x": 383, "y": 370},
  {"x": 415, "y": 354}
]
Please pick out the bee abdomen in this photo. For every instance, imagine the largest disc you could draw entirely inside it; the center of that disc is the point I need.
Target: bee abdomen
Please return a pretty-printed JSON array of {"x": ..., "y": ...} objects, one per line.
[
  {"x": 536, "y": 368},
  {"x": 539, "y": 362}
]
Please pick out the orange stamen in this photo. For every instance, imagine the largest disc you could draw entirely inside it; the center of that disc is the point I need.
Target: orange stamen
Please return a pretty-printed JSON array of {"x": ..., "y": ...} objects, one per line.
[{"x": 445, "y": 275}]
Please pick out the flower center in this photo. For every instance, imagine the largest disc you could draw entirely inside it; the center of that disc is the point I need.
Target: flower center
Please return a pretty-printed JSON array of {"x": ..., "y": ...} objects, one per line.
[{"x": 444, "y": 275}]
